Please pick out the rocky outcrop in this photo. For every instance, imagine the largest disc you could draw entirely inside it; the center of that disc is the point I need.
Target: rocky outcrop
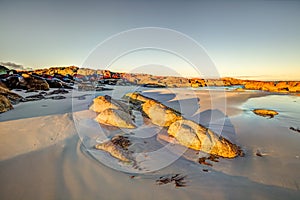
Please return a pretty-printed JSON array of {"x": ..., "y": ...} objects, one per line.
[
  {"x": 185, "y": 132},
  {"x": 270, "y": 86},
  {"x": 116, "y": 118},
  {"x": 232, "y": 81},
  {"x": 70, "y": 70},
  {"x": 102, "y": 103},
  {"x": 158, "y": 81},
  {"x": 197, "y": 137},
  {"x": 294, "y": 86},
  {"x": 11, "y": 96},
  {"x": 5, "y": 104},
  {"x": 265, "y": 112},
  {"x": 197, "y": 82},
  {"x": 149, "y": 80},
  {"x": 160, "y": 114},
  {"x": 117, "y": 147},
  {"x": 112, "y": 112},
  {"x": 32, "y": 83},
  {"x": 26, "y": 82},
  {"x": 136, "y": 98},
  {"x": 7, "y": 98},
  {"x": 281, "y": 86}
]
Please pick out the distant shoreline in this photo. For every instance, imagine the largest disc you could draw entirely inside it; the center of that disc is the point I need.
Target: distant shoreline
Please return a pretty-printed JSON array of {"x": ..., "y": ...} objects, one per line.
[{"x": 84, "y": 75}]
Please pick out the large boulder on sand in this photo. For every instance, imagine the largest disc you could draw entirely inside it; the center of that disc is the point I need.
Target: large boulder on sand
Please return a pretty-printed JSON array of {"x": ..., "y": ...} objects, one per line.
[
  {"x": 5, "y": 104},
  {"x": 197, "y": 137},
  {"x": 160, "y": 114},
  {"x": 6, "y": 97},
  {"x": 137, "y": 98},
  {"x": 102, "y": 103},
  {"x": 116, "y": 118},
  {"x": 34, "y": 83}
]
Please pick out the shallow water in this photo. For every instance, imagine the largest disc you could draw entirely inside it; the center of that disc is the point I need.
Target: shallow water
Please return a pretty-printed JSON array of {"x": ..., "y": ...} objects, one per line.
[
  {"x": 287, "y": 106},
  {"x": 233, "y": 87},
  {"x": 272, "y": 138}
]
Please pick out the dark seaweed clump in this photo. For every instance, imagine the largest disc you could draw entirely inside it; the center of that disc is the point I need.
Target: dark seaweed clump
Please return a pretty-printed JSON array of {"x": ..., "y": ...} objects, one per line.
[
  {"x": 121, "y": 141},
  {"x": 177, "y": 179},
  {"x": 295, "y": 129},
  {"x": 213, "y": 158}
]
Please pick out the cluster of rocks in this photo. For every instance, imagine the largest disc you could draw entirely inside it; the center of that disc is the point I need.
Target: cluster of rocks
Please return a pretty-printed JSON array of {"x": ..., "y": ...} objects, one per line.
[
  {"x": 278, "y": 86},
  {"x": 156, "y": 81},
  {"x": 186, "y": 132},
  {"x": 57, "y": 77},
  {"x": 33, "y": 82},
  {"x": 9, "y": 98},
  {"x": 270, "y": 86}
]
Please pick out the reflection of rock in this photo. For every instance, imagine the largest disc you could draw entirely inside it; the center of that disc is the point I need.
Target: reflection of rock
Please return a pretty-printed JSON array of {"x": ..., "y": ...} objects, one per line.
[
  {"x": 34, "y": 97},
  {"x": 153, "y": 85},
  {"x": 117, "y": 147},
  {"x": 102, "y": 103},
  {"x": 159, "y": 113},
  {"x": 197, "y": 137},
  {"x": 59, "y": 91},
  {"x": 58, "y": 97},
  {"x": 239, "y": 90},
  {"x": 265, "y": 112},
  {"x": 116, "y": 118}
]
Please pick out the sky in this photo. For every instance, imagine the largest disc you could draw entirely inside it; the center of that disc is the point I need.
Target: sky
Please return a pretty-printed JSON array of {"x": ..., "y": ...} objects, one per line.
[{"x": 244, "y": 39}]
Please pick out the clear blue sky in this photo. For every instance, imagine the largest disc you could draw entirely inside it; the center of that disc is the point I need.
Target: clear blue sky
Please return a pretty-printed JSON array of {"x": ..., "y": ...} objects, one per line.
[{"x": 244, "y": 38}]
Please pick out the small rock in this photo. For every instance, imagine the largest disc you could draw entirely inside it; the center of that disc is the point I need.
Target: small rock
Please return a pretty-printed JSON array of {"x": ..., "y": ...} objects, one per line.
[
  {"x": 258, "y": 153},
  {"x": 265, "y": 112}
]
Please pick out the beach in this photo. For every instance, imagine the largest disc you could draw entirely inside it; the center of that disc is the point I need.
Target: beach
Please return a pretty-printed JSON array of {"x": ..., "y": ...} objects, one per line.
[{"x": 44, "y": 156}]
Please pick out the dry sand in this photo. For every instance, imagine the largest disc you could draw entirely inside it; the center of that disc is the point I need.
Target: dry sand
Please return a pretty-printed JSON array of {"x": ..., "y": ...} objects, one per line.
[{"x": 42, "y": 156}]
